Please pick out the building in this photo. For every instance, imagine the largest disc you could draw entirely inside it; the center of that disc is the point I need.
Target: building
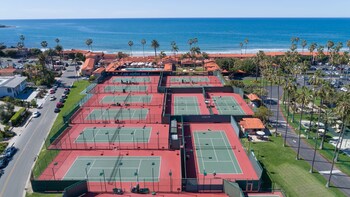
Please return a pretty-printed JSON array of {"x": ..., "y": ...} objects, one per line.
[
  {"x": 12, "y": 86},
  {"x": 10, "y": 71},
  {"x": 88, "y": 67},
  {"x": 251, "y": 125}
]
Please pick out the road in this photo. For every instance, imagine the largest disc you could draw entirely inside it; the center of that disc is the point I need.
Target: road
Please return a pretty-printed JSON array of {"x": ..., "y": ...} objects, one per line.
[
  {"x": 29, "y": 143},
  {"x": 323, "y": 166}
]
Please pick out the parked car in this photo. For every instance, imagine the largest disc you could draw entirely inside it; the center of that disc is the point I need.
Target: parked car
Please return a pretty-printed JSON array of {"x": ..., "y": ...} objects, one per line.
[
  {"x": 67, "y": 89},
  {"x": 36, "y": 114},
  {"x": 64, "y": 96},
  {"x": 3, "y": 162},
  {"x": 10, "y": 151},
  {"x": 52, "y": 98},
  {"x": 57, "y": 110},
  {"x": 59, "y": 105},
  {"x": 62, "y": 100},
  {"x": 52, "y": 91}
]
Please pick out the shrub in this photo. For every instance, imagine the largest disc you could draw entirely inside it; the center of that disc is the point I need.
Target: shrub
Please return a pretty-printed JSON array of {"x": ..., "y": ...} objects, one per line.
[{"x": 17, "y": 117}]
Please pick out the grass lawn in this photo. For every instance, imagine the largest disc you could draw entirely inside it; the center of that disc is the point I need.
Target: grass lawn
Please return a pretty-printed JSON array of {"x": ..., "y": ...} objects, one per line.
[
  {"x": 3, "y": 146},
  {"x": 327, "y": 152},
  {"x": 42, "y": 195},
  {"x": 73, "y": 98},
  {"x": 290, "y": 174}
]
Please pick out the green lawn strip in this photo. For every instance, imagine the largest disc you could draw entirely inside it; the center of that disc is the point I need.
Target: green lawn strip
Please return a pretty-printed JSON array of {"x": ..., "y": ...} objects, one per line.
[
  {"x": 3, "y": 146},
  {"x": 46, "y": 156},
  {"x": 328, "y": 149},
  {"x": 42, "y": 195},
  {"x": 290, "y": 174}
]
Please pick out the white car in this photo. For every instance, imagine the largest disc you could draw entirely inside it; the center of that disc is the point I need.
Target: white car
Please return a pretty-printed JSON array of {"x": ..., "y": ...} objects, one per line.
[
  {"x": 36, "y": 114},
  {"x": 52, "y": 98},
  {"x": 344, "y": 89}
]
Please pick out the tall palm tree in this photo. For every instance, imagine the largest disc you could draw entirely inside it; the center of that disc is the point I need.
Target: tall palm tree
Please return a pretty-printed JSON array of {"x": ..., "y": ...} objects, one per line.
[
  {"x": 348, "y": 45},
  {"x": 277, "y": 79},
  {"x": 290, "y": 88},
  {"x": 44, "y": 44},
  {"x": 195, "y": 41},
  {"x": 241, "y": 46},
  {"x": 312, "y": 48},
  {"x": 246, "y": 41},
  {"x": 303, "y": 45},
  {"x": 143, "y": 42},
  {"x": 174, "y": 48},
  {"x": 190, "y": 42},
  {"x": 59, "y": 50},
  {"x": 57, "y": 40},
  {"x": 155, "y": 45},
  {"x": 89, "y": 42},
  {"x": 326, "y": 93},
  {"x": 130, "y": 43}
]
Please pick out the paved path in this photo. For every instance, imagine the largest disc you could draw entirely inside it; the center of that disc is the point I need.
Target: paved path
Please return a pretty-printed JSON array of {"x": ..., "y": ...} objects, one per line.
[
  {"x": 29, "y": 143},
  {"x": 323, "y": 166}
]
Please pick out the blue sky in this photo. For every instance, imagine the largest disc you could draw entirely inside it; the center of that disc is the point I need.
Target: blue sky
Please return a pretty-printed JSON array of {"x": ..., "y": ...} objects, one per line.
[{"x": 39, "y": 9}]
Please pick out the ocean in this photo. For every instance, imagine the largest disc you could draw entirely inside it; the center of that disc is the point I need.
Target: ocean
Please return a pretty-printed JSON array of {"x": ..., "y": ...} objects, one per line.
[{"x": 215, "y": 35}]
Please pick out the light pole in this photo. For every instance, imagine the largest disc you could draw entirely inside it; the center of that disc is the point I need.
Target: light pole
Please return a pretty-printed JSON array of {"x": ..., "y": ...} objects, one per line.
[
  {"x": 104, "y": 179},
  {"x": 171, "y": 181},
  {"x": 158, "y": 139},
  {"x": 84, "y": 139},
  {"x": 86, "y": 172},
  {"x": 143, "y": 136},
  {"x": 53, "y": 170},
  {"x": 120, "y": 177},
  {"x": 204, "y": 174},
  {"x": 118, "y": 130},
  {"x": 153, "y": 175},
  {"x": 137, "y": 176},
  {"x": 93, "y": 133},
  {"x": 109, "y": 143}
]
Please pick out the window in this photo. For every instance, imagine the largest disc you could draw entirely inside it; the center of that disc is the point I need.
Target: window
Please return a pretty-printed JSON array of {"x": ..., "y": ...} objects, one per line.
[{"x": 9, "y": 90}]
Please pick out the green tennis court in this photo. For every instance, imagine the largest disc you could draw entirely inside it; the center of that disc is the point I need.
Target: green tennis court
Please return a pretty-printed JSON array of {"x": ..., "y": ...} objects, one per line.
[
  {"x": 188, "y": 79},
  {"x": 227, "y": 105},
  {"x": 127, "y": 99},
  {"x": 118, "y": 114},
  {"x": 119, "y": 134},
  {"x": 118, "y": 168},
  {"x": 214, "y": 153},
  {"x": 187, "y": 105},
  {"x": 131, "y": 79},
  {"x": 127, "y": 88}
]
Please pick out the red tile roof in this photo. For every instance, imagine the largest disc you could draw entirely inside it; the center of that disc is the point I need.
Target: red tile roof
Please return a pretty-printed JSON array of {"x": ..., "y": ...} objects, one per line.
[
  {"x": 251, "y": 123},
  {"x": 88, "y": 64},
  {"x": 253, "y": 97},
  {"x": 8, "y": 70},
  {"x": 99, "y": 70}
]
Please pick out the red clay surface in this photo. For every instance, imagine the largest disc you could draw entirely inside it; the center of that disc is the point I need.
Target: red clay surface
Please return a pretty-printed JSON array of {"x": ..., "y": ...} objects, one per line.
[
  {"x": 213, "y": 82},
  {"x": 170, "y": 160},
  {"x": 96, "y": 100},
  {"x": 248, "y": 172},
  {"x": 152, "y": 79},
  {"x": 201, "y": 103},
  {"x": 183, "y": 194},
  {"x": 81, "y": 116},
  {"x": 244, "y": 106},
  {"x": 67, "y": 139},
  {"x": 100, "y": 88},
  {"x": 273, "y": 194}
]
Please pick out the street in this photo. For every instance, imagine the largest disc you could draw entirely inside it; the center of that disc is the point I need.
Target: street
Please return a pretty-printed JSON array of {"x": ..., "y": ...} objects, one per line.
[{"x": 29, "y": 143}]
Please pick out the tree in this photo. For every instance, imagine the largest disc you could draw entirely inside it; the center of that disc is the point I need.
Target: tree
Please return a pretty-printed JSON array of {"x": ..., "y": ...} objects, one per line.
[
  {"x": 89, "y": 42},
  {"x": 162, "y": 54},
  {"x": 263, "y": 113},
  {"x": 303, "y": 44},
  {"x": 130, "y": 43},
  {"x": 155, "y": 45},
  {"x": 190, "y": 42},
  {"x": 290, "y": 88},
  {"x": 57, "y": 41},
  {"x": 174, "y": 48},
  {"x": 143, "y": 42},
  {"x": 246, "y": 41},
  {"x": 59, "y": 50},
  {"x": 44, "y": 44},
  {"x": 312, "y": 48},
  {"x": 241, "y": 46},
  {"x": 348, "y": 45}
]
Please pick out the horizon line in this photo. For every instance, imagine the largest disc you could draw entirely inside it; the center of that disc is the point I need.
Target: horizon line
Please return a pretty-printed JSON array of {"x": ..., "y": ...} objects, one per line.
[{"x": 255, "y": 17}]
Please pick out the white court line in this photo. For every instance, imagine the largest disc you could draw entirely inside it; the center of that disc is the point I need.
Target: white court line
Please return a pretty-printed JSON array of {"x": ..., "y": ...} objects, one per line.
[
  {"x": 212, "y": 145},
  {"x": 229, "y": 152},
  {"x": 197, "y": 139}
]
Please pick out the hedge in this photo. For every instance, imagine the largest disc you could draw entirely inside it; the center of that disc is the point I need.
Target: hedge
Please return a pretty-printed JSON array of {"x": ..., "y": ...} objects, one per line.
[{"x": 17, "y": 117}]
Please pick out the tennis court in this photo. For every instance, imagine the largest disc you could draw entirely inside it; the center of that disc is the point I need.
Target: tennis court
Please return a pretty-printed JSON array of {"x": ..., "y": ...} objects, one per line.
[
  {"x": 131, "y": 79},
  {"x": 188, "y": 79},
  {"x": 226, "y": 105},
  {"x": 126, "y": 88},
  {"x": 115, "y": 168},
  {"x": 111, "y": 135},
  {"x": 186, "y": 105},
  {"x": 118, "y": 114},
  {"x": 126, "y": 99},
  {"x": 214, "y": 153}
]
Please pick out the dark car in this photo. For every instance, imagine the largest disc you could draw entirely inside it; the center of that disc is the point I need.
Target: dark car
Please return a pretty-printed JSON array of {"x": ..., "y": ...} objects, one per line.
[
  {"x": 10, "y": 151},
  {"x": 62, "y": 100},
  {"x": 66, "y": 92},
  {"x": 67, "y": 89},
  {"x": 57, "y": 110},
  {"x": 3, "y": 162},
  {"x": 64, "y": 96},
  {"x": 59, "y": 105}
]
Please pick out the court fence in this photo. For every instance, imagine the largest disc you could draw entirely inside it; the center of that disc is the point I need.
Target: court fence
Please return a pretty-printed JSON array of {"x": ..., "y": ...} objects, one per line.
[
  {"x": 52, "y": 185},
  {"x": 219, "y": 75},
  {"x": 76, "y": 189},
  {"x": 256, "y": 165},
  {"x": 232, "y": 189}
]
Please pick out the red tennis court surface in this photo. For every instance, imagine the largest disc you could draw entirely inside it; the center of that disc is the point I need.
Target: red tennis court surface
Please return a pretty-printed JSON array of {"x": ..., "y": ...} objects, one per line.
[
  {"x": 248, "y": 172},
  {"x": 169, "y": 161},
  {"x": 112, "y": 88},
  {"x": 188, "y": 104},
  {"x": 121, "y": 115},
  {"x": 113, "y": 136},
  {"x": 273, "y": 194},
  {"x": 182, "y": 194},
  {"x": 193, "y": 81},
  {"x": 133, "y": 79},
  {"x": 132, "y": 99},
  {"x": 244, "y": 106}
]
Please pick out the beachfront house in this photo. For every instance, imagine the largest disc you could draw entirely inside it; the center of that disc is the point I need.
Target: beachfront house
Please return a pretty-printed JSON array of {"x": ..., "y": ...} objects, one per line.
[{"x": 12, "y": 86}]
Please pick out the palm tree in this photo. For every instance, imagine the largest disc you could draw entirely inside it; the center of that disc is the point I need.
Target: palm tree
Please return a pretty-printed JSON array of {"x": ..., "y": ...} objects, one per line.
[
  {"x": 312, "y": 48},
  {"x": 59, "y": 50},
  {"x": 174, "y": 48},
  {"x": 143, "y": 42},
  {"x": 290, "y": 88},
  {"x": 303, "y": 45},
  {"x": 44, "y": 44},
  {"x": 89, "y": 42},
  {"x": 155, "y": 45},
  {"x": 195, "y": 41},
  {"x": 190, "y": 42},
  {"x": 246, "y": 41},
  {"x": 57, "y": 41},
  {"x": 348, "y": 45},
  {"x": 130, "y": 43},
  {"x": 241, "y": 46}
]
